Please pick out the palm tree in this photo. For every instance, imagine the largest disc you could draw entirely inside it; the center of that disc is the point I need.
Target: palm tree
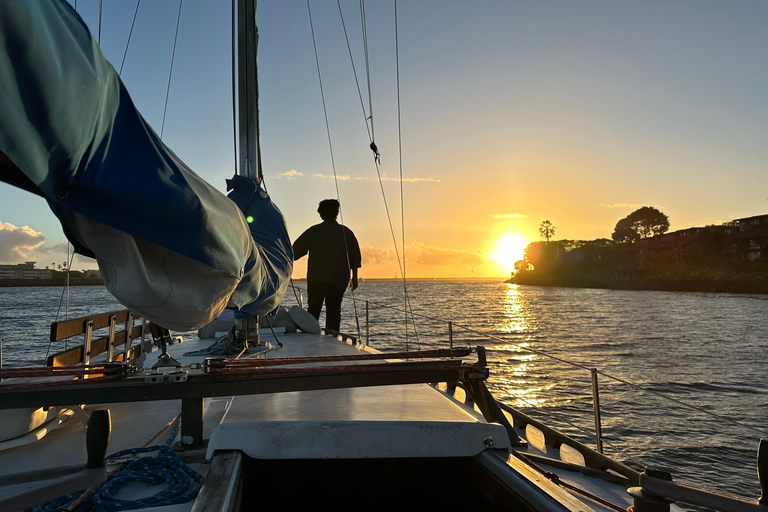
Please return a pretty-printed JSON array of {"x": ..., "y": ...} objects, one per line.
[{"x": 546, "y": 229}]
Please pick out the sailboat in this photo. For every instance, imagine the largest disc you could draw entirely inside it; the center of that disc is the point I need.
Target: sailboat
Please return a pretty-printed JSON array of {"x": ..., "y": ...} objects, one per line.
[{"x": 315, "y": 418}]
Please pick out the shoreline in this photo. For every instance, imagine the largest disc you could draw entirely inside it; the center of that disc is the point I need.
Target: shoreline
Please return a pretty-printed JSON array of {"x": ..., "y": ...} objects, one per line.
[
  {"x": 732, "y": 284},
  {"x": 56, "y": 281}
]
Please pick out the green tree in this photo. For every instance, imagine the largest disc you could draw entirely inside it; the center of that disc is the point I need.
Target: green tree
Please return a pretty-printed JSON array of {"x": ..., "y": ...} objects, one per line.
[
  {"x": 546, "y": 229},
  {"x": 642, "y": 223},
  {"x": 543, "y": 255}
]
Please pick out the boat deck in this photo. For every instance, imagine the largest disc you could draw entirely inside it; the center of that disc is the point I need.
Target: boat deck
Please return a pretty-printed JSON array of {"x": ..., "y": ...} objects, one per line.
[{"x": 375, "y": 423}]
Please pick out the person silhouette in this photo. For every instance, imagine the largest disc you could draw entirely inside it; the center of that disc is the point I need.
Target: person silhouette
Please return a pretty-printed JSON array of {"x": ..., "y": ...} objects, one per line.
[{"x": 333, "y": 251}]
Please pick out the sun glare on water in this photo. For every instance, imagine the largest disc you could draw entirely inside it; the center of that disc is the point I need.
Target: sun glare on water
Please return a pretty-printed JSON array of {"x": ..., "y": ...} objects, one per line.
[{"x": 508, "y": 250}]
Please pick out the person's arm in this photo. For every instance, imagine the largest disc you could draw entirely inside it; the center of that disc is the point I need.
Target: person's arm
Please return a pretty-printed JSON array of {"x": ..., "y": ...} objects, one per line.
[
  {"x": 355, "y": 259},
  {"x": 301, "y": 246}
]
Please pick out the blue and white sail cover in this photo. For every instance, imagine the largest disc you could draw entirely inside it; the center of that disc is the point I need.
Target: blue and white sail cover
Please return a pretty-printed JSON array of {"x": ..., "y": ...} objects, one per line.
[{"x": 169, "y": 245}]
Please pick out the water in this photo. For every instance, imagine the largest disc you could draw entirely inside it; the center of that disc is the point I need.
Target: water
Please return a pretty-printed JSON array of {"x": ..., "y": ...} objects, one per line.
[{"x": 694, "y": 349}]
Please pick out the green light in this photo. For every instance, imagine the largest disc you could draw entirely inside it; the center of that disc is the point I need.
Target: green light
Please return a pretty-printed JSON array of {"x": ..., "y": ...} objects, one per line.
[{"x": 249, "y": 219}]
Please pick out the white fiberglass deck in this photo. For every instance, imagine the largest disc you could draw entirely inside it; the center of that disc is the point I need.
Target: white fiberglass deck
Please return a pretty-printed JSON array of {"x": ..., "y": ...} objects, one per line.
[{"x": 370, "y": 422}]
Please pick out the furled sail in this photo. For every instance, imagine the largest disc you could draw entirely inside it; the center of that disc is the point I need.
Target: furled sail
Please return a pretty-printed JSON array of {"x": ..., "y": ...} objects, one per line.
[{"x": 169, "y": 245}]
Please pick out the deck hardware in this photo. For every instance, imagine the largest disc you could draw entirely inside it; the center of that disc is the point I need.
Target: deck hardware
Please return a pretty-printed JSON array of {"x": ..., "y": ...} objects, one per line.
[
  {"x": 645, "y": 501},
  {"x": 488, "y": 441},
  {"x": 596, "y": 407},
  {"x": 490, "y": 409},
  {"x": 178, "y": 375},
  {"x": 162, "y": 338},
  {"x": 153, "y": 377},
  {"x": 157, "y": 377},
  {"x": 210, "y": 362},
  {"x": 191, "y": 422}
]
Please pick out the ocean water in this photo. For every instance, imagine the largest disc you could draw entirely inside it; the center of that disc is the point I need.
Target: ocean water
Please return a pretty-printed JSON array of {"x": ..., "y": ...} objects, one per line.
[{"x": 683, "y": 382}]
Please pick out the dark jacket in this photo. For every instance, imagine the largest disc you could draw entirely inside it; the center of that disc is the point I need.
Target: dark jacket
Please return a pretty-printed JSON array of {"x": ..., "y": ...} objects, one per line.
[{"x": 330, "y": 258}]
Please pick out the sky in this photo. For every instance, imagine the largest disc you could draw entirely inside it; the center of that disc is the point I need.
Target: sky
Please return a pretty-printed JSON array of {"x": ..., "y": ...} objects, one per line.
[{"x": 511, "y": 113}]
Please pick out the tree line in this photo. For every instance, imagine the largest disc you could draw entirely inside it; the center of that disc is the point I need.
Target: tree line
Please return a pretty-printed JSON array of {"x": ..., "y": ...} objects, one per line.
[{"x": 707, "y": 261}]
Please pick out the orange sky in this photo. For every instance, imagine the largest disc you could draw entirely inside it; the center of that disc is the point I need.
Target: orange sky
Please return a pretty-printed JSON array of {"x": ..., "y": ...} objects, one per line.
[{"x": 511, "y": 113}]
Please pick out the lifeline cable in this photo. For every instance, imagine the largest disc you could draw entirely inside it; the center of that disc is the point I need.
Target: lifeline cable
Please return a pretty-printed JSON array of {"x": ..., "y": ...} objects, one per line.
[{"x": 585, "y": 367}]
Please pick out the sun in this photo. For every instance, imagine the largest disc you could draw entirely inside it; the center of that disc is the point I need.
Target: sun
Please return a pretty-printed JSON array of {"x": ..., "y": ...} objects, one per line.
[{"x": 509, "y": 249}]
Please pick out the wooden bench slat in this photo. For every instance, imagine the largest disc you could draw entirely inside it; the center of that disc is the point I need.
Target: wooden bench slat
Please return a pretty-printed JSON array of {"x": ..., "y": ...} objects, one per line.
[{"x": 68, "y": 328}]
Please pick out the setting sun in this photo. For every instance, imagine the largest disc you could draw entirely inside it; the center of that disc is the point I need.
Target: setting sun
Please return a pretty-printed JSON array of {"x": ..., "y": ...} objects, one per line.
[{"x": 508, "y": 250}]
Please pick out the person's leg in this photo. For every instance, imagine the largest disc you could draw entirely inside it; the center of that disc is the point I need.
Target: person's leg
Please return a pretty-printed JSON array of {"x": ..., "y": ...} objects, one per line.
[
  {"x": 315, "y": 297},
  {"x": 333, "y": 298}
]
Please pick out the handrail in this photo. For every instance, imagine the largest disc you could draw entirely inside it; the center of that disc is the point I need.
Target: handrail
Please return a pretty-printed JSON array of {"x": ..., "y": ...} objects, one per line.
[{"x": 90, "y": 347}]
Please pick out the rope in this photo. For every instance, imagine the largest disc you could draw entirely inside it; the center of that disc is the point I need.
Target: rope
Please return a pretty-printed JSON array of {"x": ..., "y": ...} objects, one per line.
[
  {"x": 298, "y": 299},
  {"x": 138, "y": 2},
  {"x": 176, "y": 422},
  {"x": 170, "y": 72},
  {"x": 181, "y": 483},
  {"x": 224, "y": 345}
]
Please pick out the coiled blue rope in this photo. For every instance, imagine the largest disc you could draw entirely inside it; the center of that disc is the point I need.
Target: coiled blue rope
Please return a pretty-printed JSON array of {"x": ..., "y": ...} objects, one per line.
[{"x": 182, "y": 483}]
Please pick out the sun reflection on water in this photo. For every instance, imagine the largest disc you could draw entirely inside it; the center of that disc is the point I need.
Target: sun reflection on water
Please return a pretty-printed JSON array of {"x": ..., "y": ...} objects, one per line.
[
  {"x": 518, "y": 381},
  {"x": 515, "y": 311}
]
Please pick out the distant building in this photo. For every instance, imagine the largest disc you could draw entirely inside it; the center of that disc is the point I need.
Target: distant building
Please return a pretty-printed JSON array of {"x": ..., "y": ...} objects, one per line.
[
  {"x": 24, "y": 270},
  {"x": 743, "y": 239},
  {"x": 752, "y": 237}
]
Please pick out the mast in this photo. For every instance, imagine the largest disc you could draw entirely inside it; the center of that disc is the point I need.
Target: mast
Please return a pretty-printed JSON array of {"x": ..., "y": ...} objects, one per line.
[{"x": 249, "y": 163}]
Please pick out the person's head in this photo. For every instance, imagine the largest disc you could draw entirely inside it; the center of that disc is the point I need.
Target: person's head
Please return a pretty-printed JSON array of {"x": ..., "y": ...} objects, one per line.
[{"x": 328, "y": 209}]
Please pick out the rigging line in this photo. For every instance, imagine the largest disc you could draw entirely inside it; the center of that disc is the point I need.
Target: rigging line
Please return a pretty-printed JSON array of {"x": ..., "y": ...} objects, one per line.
[
  {"x": 400, "y": 156},
  {"x": 138, "y": 2},
  {"x": 100, "y": 10},
  {"x": 370, "y": 139},
  {"x": 354, "y": 71},
  {"x": 367, "y": 73},
  {"x": 170, "y": 72},
  {"x": 234, "y": 92},
  {"x": 64, "y": 289},
  {"x": 330, "y": 146}
]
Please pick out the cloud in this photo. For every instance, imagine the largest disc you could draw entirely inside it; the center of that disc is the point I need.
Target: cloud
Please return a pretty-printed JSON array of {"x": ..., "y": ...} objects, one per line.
[
  {"x": 428, "y": 255},
  {"x": 510, "y": 216},
  {"x": 623, "y": 205},
  {"x": 290, "y": 175},
  {"x": 342, "y": 177},
  {"x": 44, "y": 250},
  {"x": 373, "y": 256},
  {"x": 347, "y": 177},
  {"x": 17, "y": 242},
  {"x": 411, "y": 180}
]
